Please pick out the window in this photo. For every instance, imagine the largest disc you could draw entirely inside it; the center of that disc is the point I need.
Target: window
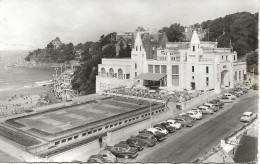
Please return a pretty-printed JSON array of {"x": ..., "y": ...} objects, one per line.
[
  {"x": 106, "y": 127},
  {"x": 192, "y": 77},
  {"x": 69, "y": 139},
  {"x": 207, "y": 69},
  {"x": 135, "y": 74},
  {"x": 142, "y": 116},
  {"x": 94, "y": 131},
  {"x": 140, "y": 48},
  {"x": 120, "y": 123},
  {"x": 234, "y": 57},
  {"x": 111, "y": 73},
  {"x": 192, "y": 69},
  {"x": 136, "y": 48},
  {"x": 137, "y": 117},
  {"x": 235, "y": 75},
  {"x": 239, "y": 75},
  {"x": 193, "y": 47},
  {"x": 120, "y": 73},
  {"x": 175, "y": 69},
  {"x": 135, "y": 65},
  {"x": 64, "y": 140},
  {"x": 226, "y": 57},
  {"x": 222, "y": 57},
  {"x": 130, "y": 120},
  {"x": 90, "y": 132},
  {"x": 127, "y": 76},
  {"x": 84, "y": 134},
  {"x": 126, "y": 121},
  {"x": 133, "y": 118},
  {"x": 207, "y": 81},
  {"x": 150, "y": 68},
  {"x": 75, "y": 137},
  {"x": 111, "y": 126},
  {"x": 175, "y": 79},
  {"x": 103, "y": 72},
  {"x": 157, "y": 69},
  {"x": 115, "y": 124},
  {"x": 99, "y": 129},
  {"x": 163, "y": 69},
  {"x": 57, "y": 143}
]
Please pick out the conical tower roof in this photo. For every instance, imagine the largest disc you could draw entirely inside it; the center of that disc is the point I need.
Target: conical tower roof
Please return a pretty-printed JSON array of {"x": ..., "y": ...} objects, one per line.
[
  {"x": 138, "y": 39},
  {"x": 195, "y": 38}
]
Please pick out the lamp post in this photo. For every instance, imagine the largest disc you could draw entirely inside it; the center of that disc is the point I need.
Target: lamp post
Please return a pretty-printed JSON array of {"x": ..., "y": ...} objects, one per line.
[{"x": 150, "y": 114}]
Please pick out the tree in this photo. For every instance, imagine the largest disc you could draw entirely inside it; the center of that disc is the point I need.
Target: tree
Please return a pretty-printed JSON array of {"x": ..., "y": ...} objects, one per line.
[{"x": 175, "y": 32}]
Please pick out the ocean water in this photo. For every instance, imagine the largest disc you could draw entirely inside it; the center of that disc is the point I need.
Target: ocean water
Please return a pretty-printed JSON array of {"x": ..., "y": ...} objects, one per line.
[{"x": 13, "y": 78}]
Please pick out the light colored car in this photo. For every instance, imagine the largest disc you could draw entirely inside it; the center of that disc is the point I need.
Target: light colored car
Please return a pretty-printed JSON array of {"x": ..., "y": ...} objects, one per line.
[
  {"x": 106, "y": 154},
  {"x": 225, "y": 99},
  {"x": 248, "y": 116},
  {"x": 195, "y": 114},
  {"x": 164, "y": 131},
  {"x": 174, "y": 123},
  {"x": 205, "y": 110},
  {"x": 230, "y": 96}
]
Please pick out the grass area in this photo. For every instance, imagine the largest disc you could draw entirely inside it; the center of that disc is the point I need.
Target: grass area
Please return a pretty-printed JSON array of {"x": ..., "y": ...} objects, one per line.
[{"x": 18, "y": 137}]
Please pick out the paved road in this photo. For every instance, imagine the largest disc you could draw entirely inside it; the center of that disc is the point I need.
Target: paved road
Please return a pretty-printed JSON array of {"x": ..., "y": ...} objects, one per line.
[{"x": 189, "y": 143}]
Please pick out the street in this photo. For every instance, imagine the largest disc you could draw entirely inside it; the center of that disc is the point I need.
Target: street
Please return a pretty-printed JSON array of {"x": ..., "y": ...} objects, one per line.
[{"x": 188, "y": 144}]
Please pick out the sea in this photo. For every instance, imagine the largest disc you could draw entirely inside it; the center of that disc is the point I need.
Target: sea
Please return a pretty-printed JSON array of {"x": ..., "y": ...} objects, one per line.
[{"x": 15, "y": 78}]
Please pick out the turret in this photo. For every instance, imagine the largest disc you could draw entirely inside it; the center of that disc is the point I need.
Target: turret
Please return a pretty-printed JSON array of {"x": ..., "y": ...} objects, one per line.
[{"x": 195, "y": 42}]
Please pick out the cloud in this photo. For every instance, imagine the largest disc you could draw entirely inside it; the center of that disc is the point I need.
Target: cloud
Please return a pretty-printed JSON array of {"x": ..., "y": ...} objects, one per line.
[{"x": 31, "y": 24}]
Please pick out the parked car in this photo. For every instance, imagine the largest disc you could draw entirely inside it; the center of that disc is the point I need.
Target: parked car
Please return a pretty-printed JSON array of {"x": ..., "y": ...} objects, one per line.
[
  {"x": 161, "y": 128},
  {"x": 96, "y": 159},
  {"x": 230, "y": 96},
  {"x": 255, "y": 86},
  {"x": 234, "y": 93},
  {"x": 225, "y": 99},
  {"x": 174, "y": 123},
  {"x": 167, "y": 126},
  {"x": 248, "y": 116},
  {"x": 106, "y": 154},
  {"x": 187, "y": 116},
  {"x": 123, "y": 150},
  {"x": 158, "y": 135},
  {"x": 211, "y": 106},
  {"x": 195, "y": 114},
  {"x": 147, "y": 138},
  {"x": 217, "y": 102},
  {"x": 205, "y": 110},
  {"x": 238, "y": 90},
  {"x": 134, "y": 143},
  {"x": 184, "y": 121}
]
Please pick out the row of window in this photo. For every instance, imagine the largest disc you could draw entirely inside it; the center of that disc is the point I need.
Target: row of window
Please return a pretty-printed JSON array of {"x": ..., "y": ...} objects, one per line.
[
  {"x": 239, "y": 75},
  {"x": 106, "y": 127},
  {"x": 226, "y": 57},
  {"x": 112, "y": 74}
]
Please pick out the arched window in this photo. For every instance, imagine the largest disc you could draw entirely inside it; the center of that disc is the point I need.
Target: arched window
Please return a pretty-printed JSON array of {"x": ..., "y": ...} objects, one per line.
[
  {"x": 111, "y": 73},
  {"x": 103, "y": 72},
  {"x": 120, "y": 74}
]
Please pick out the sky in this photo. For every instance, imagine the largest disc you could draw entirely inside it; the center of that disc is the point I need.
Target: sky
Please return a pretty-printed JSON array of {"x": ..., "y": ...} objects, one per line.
[{"x": 32, "y": 24}]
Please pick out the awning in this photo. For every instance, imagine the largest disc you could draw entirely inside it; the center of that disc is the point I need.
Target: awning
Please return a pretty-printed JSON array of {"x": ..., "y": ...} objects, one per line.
[{"x": 151, "y": 76}]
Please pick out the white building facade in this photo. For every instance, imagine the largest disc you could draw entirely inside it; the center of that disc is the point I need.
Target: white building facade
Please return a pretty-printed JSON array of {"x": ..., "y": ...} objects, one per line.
[{"x": 184, "y": 65}]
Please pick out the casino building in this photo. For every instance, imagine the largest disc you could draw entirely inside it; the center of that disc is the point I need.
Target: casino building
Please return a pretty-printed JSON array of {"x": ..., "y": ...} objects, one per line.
[{"x": 193, "y": 65}]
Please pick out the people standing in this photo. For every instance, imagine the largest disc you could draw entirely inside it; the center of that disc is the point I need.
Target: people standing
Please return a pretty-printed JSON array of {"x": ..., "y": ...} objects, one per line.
[{"x": 100, "y": 140}]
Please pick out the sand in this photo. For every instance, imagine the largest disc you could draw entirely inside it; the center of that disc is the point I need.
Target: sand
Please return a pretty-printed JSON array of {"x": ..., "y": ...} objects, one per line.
[{"x": 17, "y": 101}]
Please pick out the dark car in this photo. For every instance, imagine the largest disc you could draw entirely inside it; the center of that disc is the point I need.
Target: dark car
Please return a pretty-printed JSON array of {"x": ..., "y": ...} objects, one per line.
[
  {"x": 147, "y": 138},
  {"x": 96, "y": 159},
  {"x": 167, "y": 126},
  {"x": 123, "y": 150},
  {"x": 255, "y": 86},
  {"x": 158, "y": 135},
  {"x": 217, "y": 102},
  {"x": 134, "y": 143},
  {"x": 234, "y": 93},
  {"x": 184, "y": 121}
]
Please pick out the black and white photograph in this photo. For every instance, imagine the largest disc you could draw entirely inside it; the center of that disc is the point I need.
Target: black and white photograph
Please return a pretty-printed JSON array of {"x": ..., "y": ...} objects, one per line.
[{"x": 129, "y": 81}]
